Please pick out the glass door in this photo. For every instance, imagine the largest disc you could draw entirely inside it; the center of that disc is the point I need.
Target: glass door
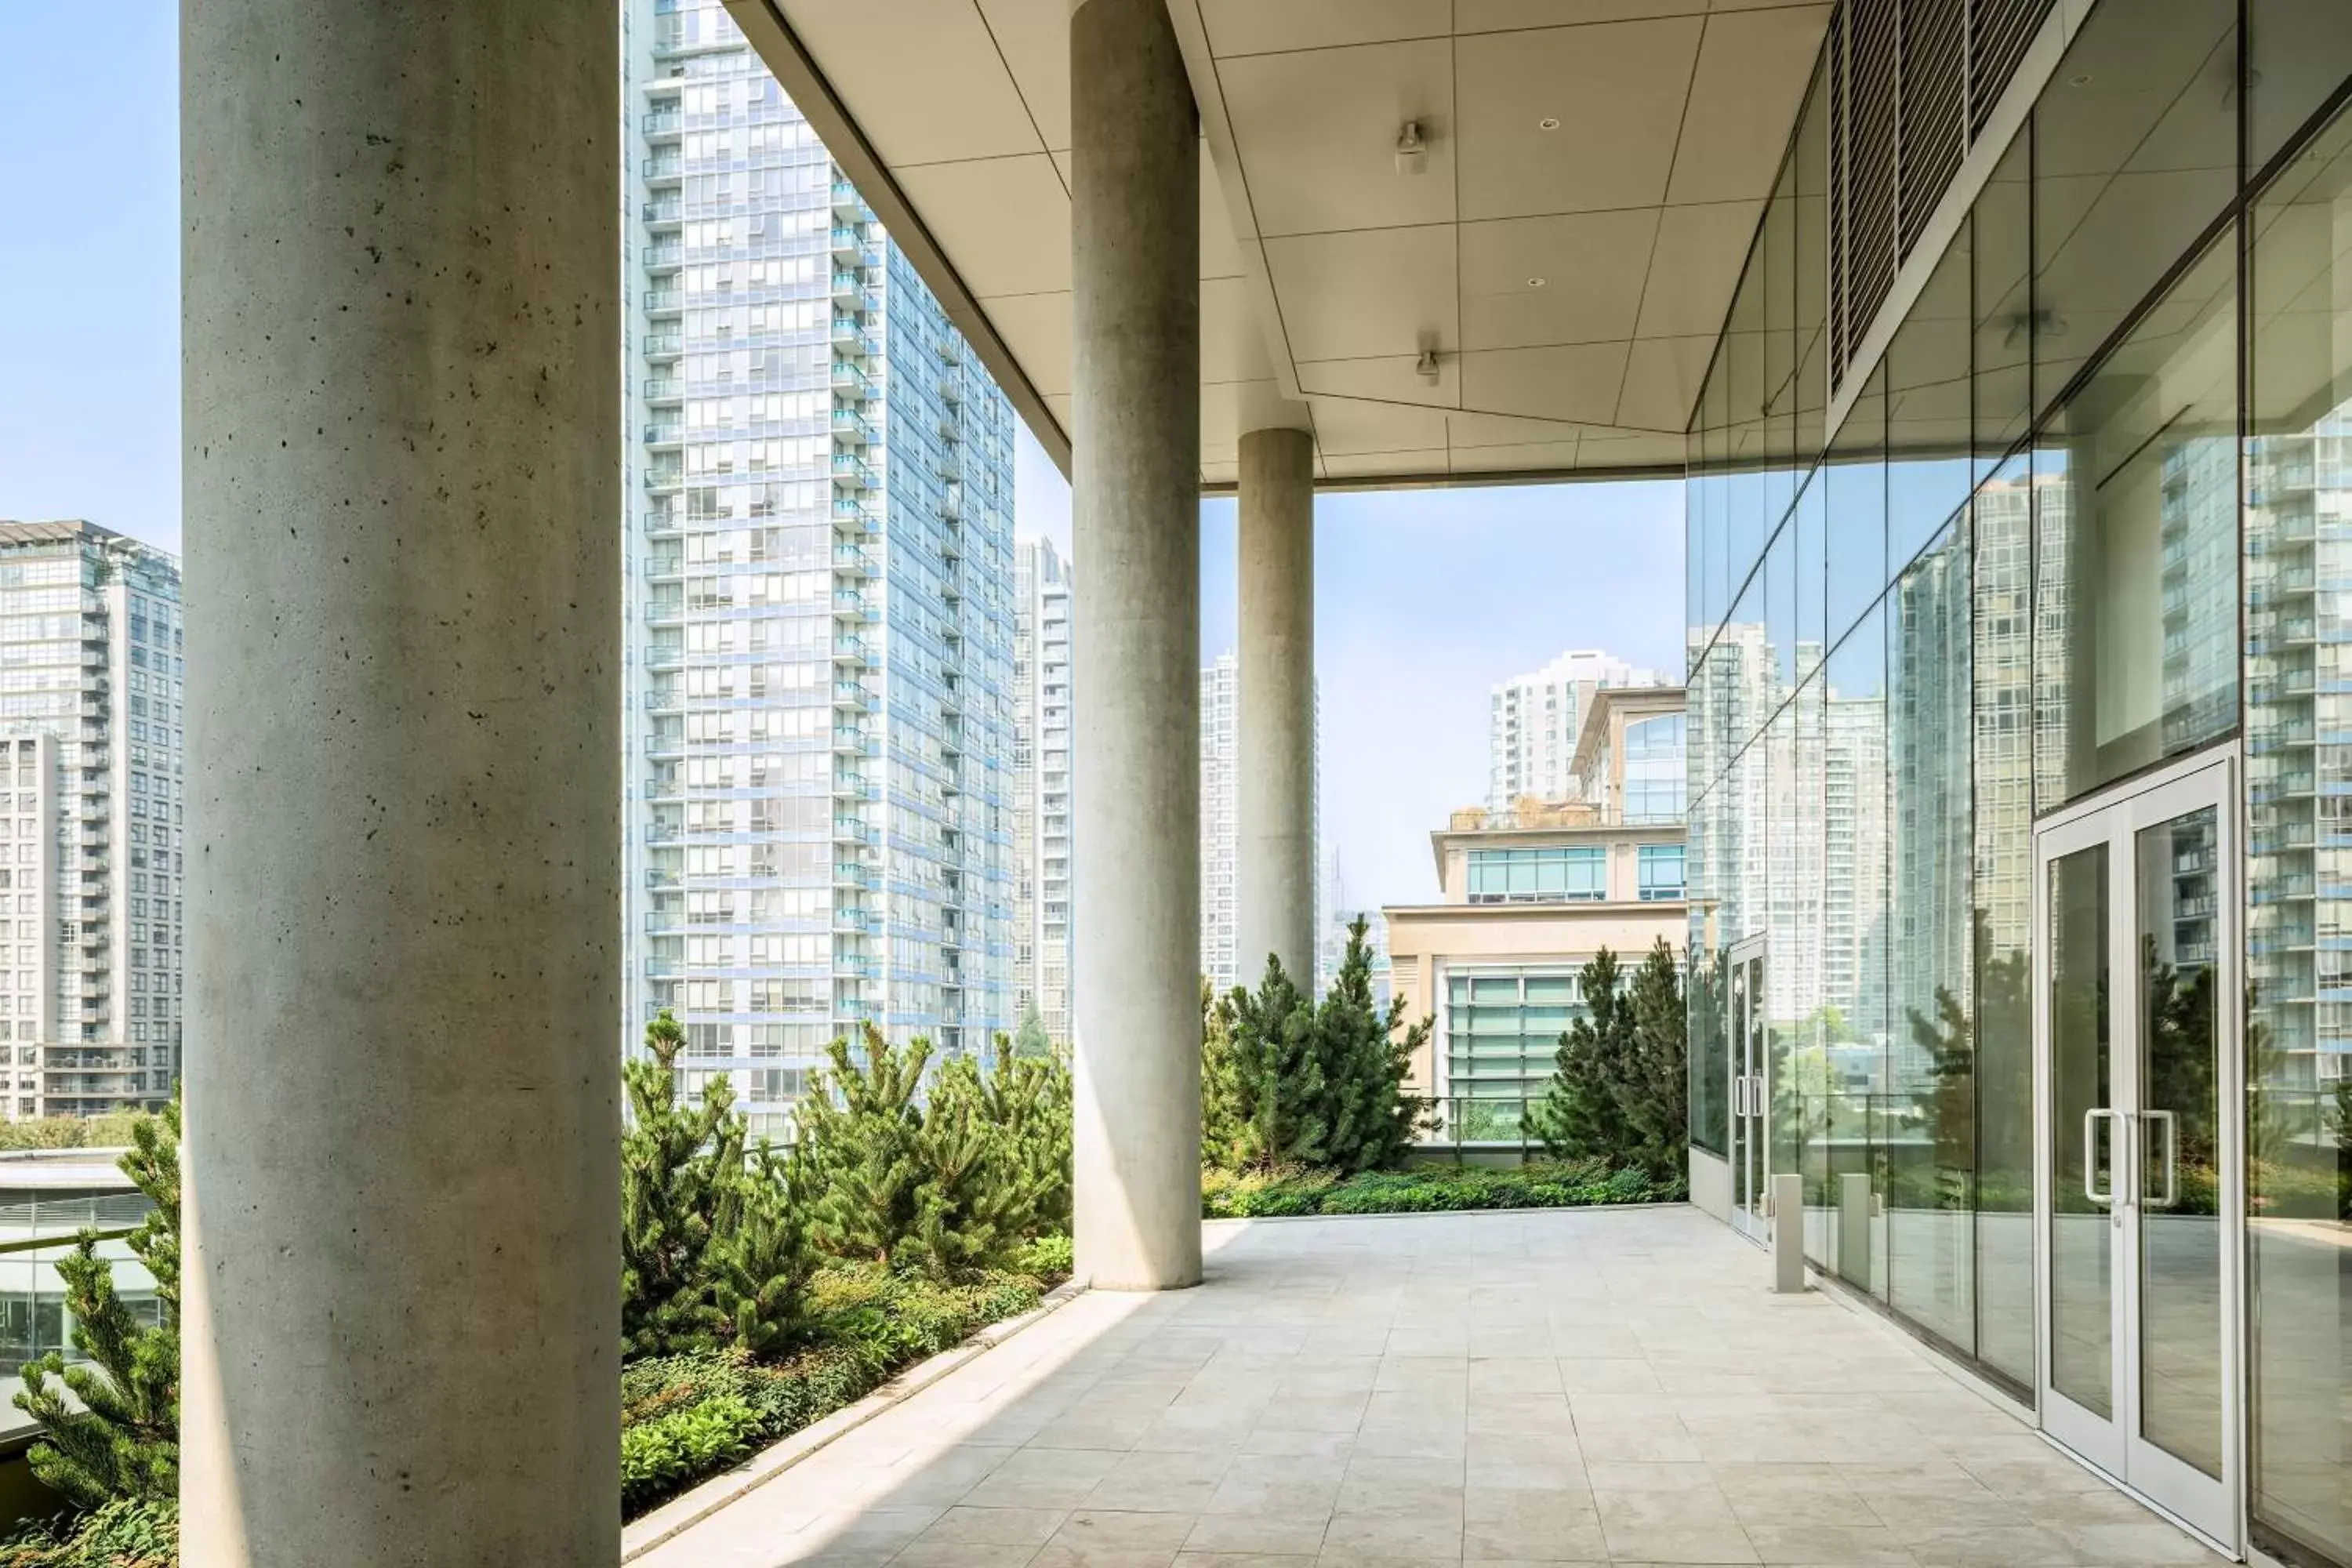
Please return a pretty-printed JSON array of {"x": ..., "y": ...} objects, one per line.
[
  {"x": 1750, "y": 1148},
  {"x": 2136, "y": 1074}
]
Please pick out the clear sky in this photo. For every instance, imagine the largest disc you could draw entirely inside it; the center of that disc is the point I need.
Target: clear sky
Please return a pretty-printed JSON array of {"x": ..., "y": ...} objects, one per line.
[{"x": 1425, "y": 599}]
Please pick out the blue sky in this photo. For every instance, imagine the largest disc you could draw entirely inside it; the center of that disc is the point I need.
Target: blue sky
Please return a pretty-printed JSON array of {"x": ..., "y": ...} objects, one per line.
[{"x": 1423, "y": 599}]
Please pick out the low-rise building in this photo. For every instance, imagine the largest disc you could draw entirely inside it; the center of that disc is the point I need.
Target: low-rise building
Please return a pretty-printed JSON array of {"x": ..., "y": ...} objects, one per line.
[{"x": 1526, "y": 897}]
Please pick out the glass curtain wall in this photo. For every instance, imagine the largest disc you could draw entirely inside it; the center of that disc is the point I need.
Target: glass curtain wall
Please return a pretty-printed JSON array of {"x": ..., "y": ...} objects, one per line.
[{"x": 2092, "y": 510}]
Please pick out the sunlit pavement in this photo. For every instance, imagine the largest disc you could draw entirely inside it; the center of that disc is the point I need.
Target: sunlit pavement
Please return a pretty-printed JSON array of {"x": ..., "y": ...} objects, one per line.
[{"x": 1597, "y": 1386}]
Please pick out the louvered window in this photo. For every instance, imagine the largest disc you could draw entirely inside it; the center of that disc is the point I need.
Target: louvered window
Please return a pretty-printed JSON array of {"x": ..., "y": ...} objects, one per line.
[{"x": 1911, "y": 84}]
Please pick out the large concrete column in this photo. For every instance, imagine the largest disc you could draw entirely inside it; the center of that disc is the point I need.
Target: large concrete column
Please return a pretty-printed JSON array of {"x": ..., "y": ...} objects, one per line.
[
  {"x": 1274, "y": 895},
  {"x": 1135, "y": 530},
  {"x": 401, "y": 297}
]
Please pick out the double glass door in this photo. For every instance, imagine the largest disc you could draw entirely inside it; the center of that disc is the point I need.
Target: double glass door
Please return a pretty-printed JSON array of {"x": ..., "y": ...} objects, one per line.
[
  {"x": 1751, "y": 1175},
  {"x": 2138, "y": 1102}
]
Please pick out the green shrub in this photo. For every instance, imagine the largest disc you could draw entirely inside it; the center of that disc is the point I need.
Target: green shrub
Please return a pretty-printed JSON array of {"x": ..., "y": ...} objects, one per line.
[
  {"x": 1620, "y": 1084},
  {"x": 129, "y": 1532},
  {"x": 1050, "y": 1256},
  {"x": 1434, "y": 1189},
  {"x": 689, "y": 1441}
]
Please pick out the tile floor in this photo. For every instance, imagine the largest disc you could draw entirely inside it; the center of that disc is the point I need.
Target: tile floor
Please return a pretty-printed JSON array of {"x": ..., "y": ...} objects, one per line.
[{"x": 1598, "y": 1387}]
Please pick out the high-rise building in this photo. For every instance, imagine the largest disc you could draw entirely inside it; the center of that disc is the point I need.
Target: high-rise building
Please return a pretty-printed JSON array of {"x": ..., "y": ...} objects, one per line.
[
  {"x": 90, "y": 762},
  {"x": 1221, "y": 831},
  {"x": 1220, "y": 820},
  {"x": 1041, "y": 770},
  {"x": 1532, "y": 719},
  {"x": 820, "y": 611}
]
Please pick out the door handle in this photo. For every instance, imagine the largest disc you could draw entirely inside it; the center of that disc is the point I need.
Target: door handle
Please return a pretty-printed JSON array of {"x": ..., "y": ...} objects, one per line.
[
  {"x": 2172, "y": 1123},
  {"x": 1739, "y": 1096},
  {"x": 2091, "y": 1158}
]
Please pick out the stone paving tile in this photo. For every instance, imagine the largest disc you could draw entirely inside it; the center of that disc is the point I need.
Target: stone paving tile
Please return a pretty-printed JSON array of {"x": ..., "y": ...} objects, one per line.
[{"x": 1534, "y": 1389}]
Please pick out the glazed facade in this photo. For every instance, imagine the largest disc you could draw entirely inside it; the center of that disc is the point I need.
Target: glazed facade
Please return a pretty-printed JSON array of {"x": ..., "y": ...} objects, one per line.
[{"x": 2068, "y": 561}]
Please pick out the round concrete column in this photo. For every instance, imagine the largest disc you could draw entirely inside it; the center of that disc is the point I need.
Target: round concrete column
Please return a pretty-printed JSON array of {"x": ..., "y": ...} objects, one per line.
[
  {"x": 1275, "y": 895},
  {"x": 400, "y": 298},
  {"x": 1135, "y": 530}
]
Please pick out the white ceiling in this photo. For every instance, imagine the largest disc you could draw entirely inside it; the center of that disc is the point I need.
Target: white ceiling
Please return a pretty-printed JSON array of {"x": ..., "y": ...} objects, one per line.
[{"x": 1325, "y": 271}]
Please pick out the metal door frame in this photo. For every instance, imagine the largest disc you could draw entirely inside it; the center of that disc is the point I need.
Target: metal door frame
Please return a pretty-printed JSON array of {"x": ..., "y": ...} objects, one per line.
[
  {"x": 2212, "y": 1510},
  {"x": 1750, "y": 1097}
]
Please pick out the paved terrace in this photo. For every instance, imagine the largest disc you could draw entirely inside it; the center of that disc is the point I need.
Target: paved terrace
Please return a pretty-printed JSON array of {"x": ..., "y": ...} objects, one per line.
[{"x": 1571, "y": 1388}]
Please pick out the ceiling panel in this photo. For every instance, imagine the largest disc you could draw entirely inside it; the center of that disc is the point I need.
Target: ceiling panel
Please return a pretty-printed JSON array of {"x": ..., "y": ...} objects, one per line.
[
  {"x": 1519, "y": 459},
  {"x": 1577, "y": 383},
  {"x": 1652, "y": 451},
  {"x": 1316, "y": 132},
  {"x": 1003, "y": 222},
  {"x": 1695, "y": 267},
  {"x": 1752, "y": 71},
  {"x": 1413, "y": 463},
  {"x": 1265, "y": 27},
  {"x": 1662, "y": 382},
  {"x": 1343, "y": 426},
  {"x": 1499, "y": 15},
  {"x": 1233, "y": 341},
  {"x": 1034, "y": 37},
  {"x": 922, "y": 78},
  {"x": 1616, "y": 91},
  {"x": 1573, "y": 278},
  {"x": 1387, "y": 379},
  {"x": 1354, "y": 296},
  {"x": 1036, "y": 328},
  {"x": 1221, "y": 254},
  {"x": 1503, "y": 430}
]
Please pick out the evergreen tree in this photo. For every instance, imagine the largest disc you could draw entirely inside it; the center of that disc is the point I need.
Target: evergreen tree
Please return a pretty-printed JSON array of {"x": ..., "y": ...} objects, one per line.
[
  {"x": 1028, "y": 1100},
  {"x": 679, "y": 1163},
  {"x": 1263, "y": 1068},
  {"x": 758, "y": 1260},
  {"x": 860, "y": 1152},
  {"x": 1578, "y": 1116},
  {"x": 977, "y": 1201},
  {"x": 1031, "y": 1043},
  {"x": 1653, "y": 1097},
  {"x": 124, "y": 1439},
  {"x": 1369, "y": 1120}
]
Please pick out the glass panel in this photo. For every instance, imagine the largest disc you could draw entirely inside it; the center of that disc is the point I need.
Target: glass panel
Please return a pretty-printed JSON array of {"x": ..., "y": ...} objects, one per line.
[
  {"x": 2082, "y": 1286},
  {"x": 1742, "y": 1017},
  {"x": 1857, "y": 473},
  {"x": 1801, "y": 1095},
  {"x": 1776, "y": 257},
  {"x": 1928, "y": 409},
  {"x": 2135, "y": 598},
  {"x": 2002, "y": 230},
  {"x": 2297, "y": 53},
  {"x": 2298, "y": 1044},
  {"x": 1781, "y": 609},
  {"x": 2003, "y": 519},
  {"x": 1853, "y": 945},
  {"x": 1810, "y": 158},
  {"x": 2135, "y": 154},
  {"x": 1931, "y": 1154},
  {"x": 2179, "y": 877},
  {"x": 1710, "y": 1067},
  {"x": 1810, "y": 523}
]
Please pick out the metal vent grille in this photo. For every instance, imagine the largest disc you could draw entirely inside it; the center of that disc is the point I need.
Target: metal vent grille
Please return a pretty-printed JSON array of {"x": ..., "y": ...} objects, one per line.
[
  {"x": 1999, "y": 32},
  {"x": 1911, "y": 85},
  {"x": 1934, "y": 110}
]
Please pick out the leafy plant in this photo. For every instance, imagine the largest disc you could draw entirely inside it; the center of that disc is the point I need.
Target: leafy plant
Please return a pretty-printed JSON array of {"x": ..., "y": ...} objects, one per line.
[
  {"x": 128, "y": 1532},
  {"x": 692, "y": 1440},
  {"x": 1433, "y": 1189},
  {"x": 123, "y": 1442}
]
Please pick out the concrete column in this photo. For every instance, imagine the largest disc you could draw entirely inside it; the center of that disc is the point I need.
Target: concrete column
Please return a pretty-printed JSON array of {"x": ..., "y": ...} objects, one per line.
[
  {"x": 1135, "y": 633},
  {"x": 1274, "y": 898},
  {"x": 400, "y": 298}
]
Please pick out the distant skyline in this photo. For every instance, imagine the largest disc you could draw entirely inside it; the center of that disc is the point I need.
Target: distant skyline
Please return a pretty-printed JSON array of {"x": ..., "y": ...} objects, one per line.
[{"x": 1425, "y": 599}]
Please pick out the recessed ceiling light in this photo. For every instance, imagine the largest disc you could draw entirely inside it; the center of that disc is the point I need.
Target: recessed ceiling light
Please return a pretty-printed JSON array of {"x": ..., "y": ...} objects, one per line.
[
  {"x": 1549, "y": 122},
  {"x": 2080, "y": 79},
  {"x": 1535, "y": 282}
]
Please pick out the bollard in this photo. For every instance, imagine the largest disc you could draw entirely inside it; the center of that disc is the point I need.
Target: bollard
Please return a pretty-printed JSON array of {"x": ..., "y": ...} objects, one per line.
[
  {"x": 1853, "y": 1228},
  {"x": 1788, "y": 1234}
]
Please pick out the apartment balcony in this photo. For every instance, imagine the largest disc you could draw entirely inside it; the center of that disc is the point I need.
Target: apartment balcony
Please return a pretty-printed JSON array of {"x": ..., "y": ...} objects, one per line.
[
  {"x": 851, "y": 473},
  {"x": 663, "y": 255},
  {"x": 847, "y": 204},
  {"x": 848, "y": 244},
  {"x": 850, "y": 427},
  {"x": 850, "y": 648},
  {"x": 663, "y": 124}
]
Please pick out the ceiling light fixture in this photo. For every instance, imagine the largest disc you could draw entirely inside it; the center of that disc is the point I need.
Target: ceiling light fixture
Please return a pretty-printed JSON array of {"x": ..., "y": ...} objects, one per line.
[
  {"x": 1549, "y": 122},
  {"x": 1425, "y": 366},
  {"x": 1535, "y": 282},
  {"x": 1412, "y": 150},
  {"x": 2081, "y": 79}
]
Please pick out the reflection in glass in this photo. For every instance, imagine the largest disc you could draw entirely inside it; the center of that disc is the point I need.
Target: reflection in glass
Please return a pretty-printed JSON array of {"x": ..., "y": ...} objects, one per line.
[
  {"x": 2135, "y": 152},
  {"x": 1928, "y": 409},
  {"x": 1854, "y": 939},
  {"x": 1930, "y": 1150},
  {"x": 2180, "y": 872},
  {"x": 1855, "y": 472},
  {"x": 2298, "y": 1030},
  {"x": 2137, "y": 486},
  {"x": 2004, "y": 517},
  {"x": 2000, "y": 228},
  {"x": 2081, "y": 1133}
]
